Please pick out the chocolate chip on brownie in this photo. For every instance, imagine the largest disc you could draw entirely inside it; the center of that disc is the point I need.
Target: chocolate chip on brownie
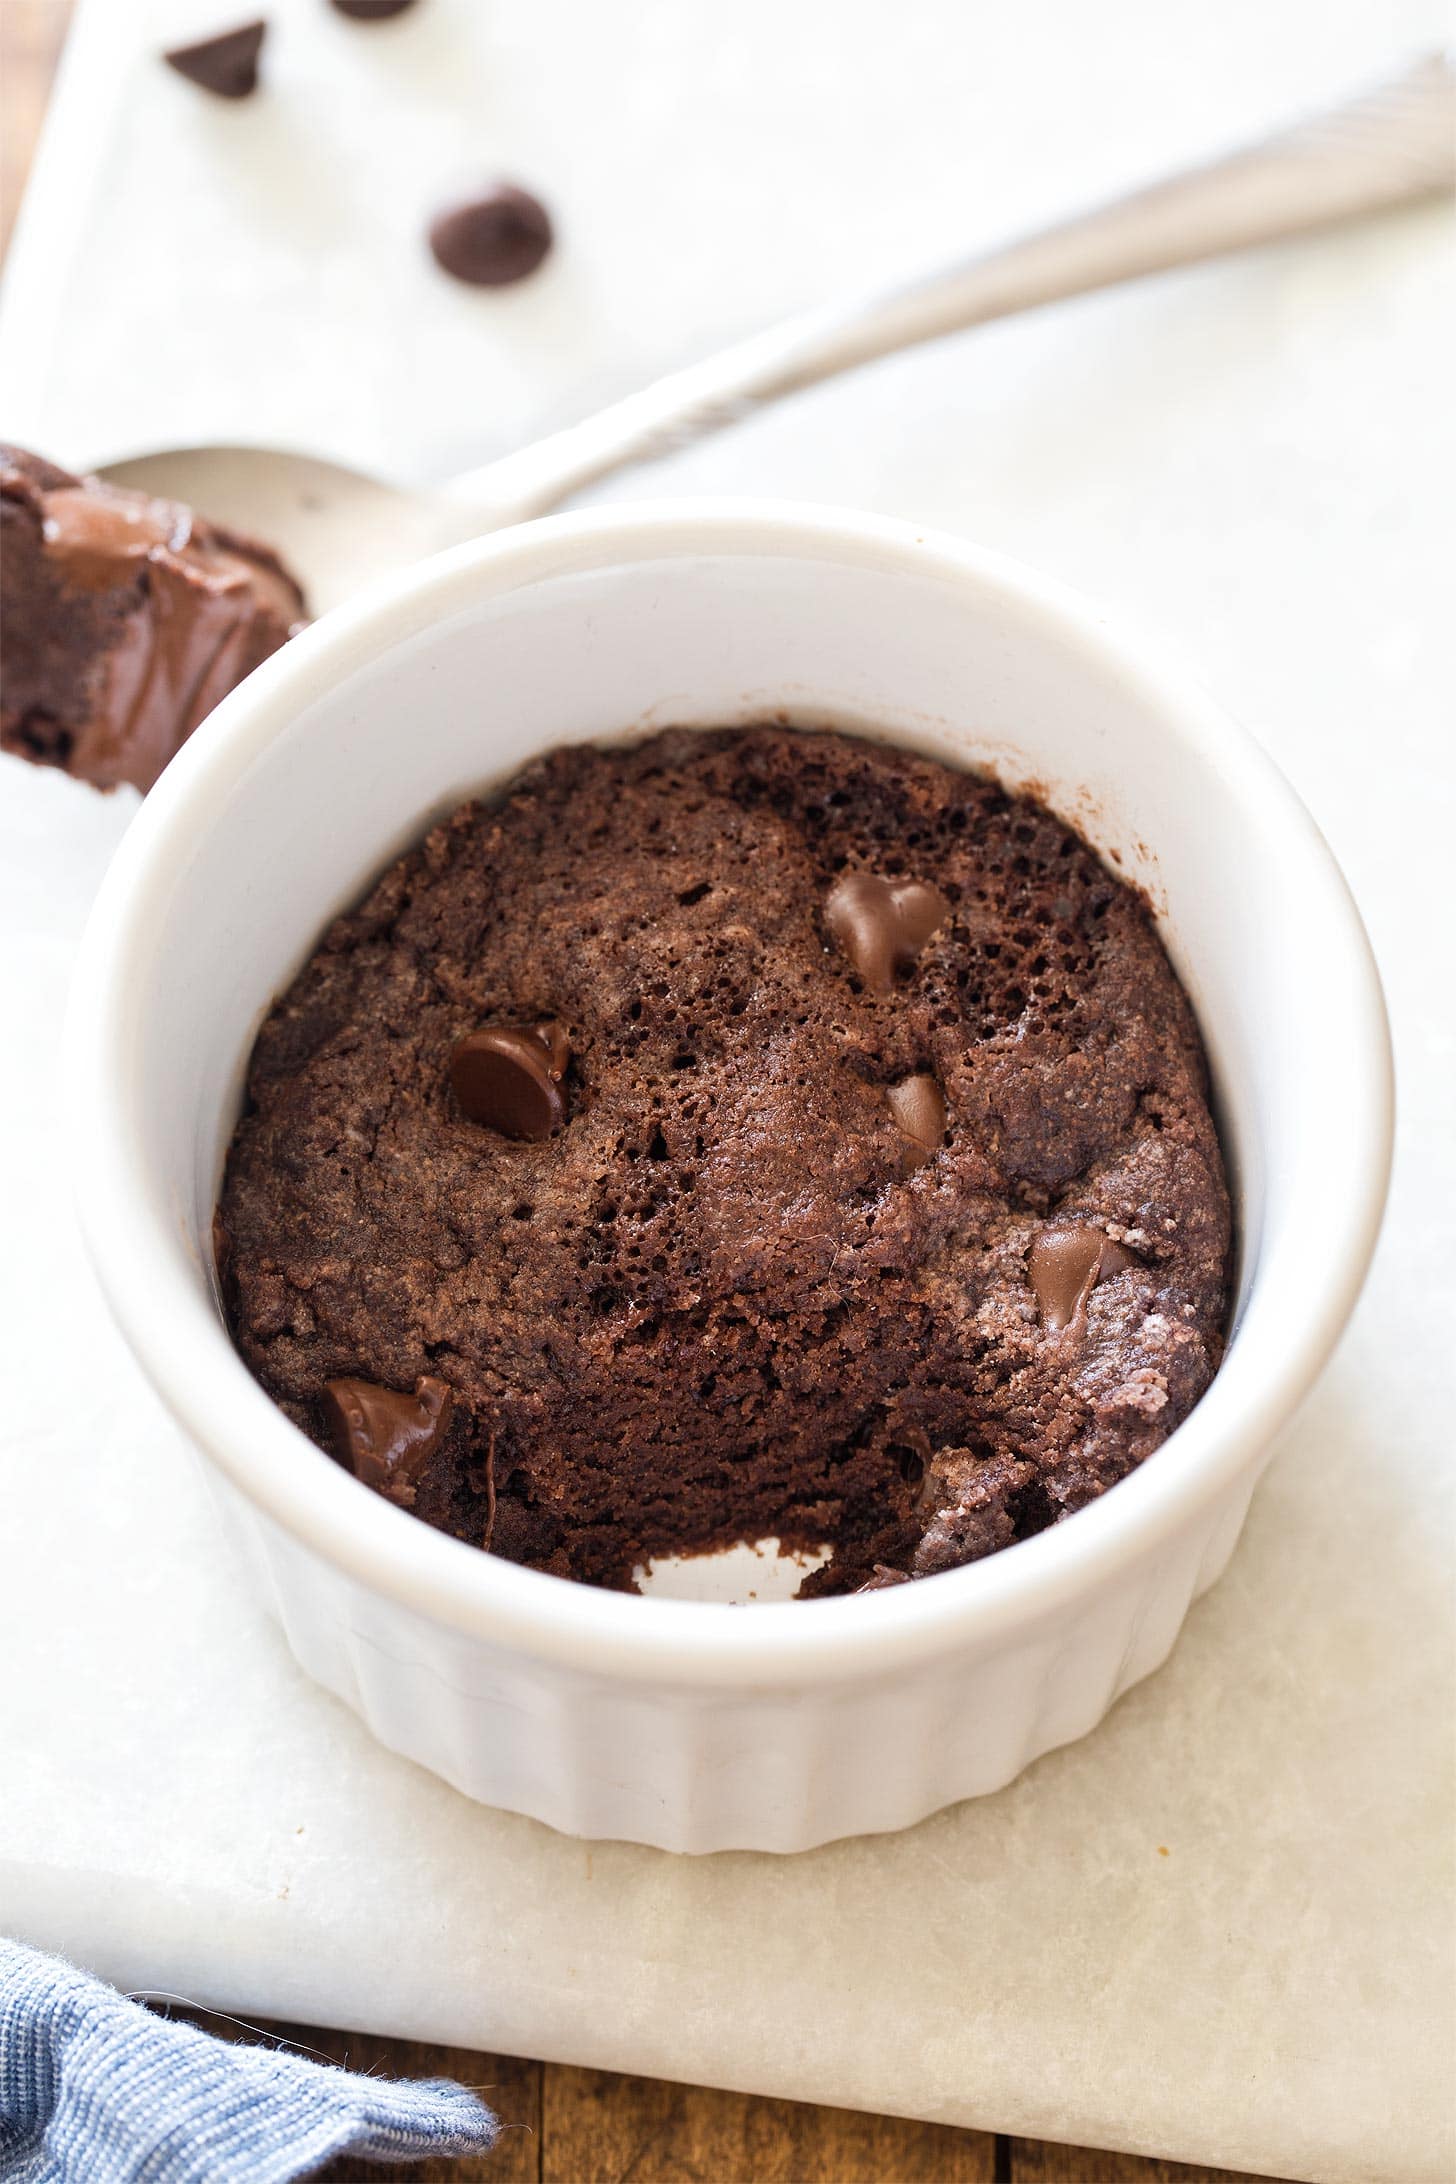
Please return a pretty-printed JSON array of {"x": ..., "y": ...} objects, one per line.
[
  {"x": 510, "y": 1081},
  {"x": 386, "y": 1438},
  {"x": 882, "y": 925}
]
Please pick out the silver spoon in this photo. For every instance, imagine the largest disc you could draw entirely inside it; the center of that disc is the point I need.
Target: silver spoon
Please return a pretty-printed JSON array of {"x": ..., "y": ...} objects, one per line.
[{"x": 339, "y": 528}]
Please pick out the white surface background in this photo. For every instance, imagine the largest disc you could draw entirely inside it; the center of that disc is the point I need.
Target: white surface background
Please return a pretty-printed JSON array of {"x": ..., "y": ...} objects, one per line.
[{"x": 1222, "y": 1928}]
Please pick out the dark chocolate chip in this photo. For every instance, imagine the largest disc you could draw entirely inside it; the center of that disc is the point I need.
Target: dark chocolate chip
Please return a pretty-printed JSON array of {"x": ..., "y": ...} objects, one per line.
[
  {"x": 494, "y": 239},
  {"x": 372, "y": 11},
  {"x": 511, "y": 1080},
  {"x": 386, "y": 1438},
  {"x": 918, "y": 1106},
  {"x": 226, "y": 65},
  {"x": 882, "y": 925},
  {"x": 1065, "y": 1266}
]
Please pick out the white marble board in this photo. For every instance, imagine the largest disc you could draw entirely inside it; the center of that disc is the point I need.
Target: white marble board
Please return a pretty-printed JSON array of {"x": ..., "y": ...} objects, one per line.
[{"x": 1222, "y": 1927}]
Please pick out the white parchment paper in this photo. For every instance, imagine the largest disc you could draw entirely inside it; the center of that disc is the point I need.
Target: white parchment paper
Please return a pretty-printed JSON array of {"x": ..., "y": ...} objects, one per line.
[{"x": 1222, "y": 1927}]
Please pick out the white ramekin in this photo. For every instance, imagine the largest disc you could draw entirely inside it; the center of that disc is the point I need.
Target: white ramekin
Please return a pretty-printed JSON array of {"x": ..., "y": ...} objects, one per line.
[{"x": 693, "y": 1725}]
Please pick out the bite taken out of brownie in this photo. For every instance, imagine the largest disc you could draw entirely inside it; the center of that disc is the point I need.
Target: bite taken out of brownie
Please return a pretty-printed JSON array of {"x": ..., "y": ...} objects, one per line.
[
  {"x": 123, "y": 621},
  {"x": 737, "y": 1134}
]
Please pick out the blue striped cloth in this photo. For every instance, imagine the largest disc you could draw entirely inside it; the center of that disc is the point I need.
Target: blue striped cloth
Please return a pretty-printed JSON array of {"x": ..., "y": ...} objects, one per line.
[{"x": 96, "y": 2090}]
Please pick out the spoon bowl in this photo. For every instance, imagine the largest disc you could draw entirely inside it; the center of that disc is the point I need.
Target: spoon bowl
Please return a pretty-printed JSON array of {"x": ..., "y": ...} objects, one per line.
[{"x": 336, "y": 528}]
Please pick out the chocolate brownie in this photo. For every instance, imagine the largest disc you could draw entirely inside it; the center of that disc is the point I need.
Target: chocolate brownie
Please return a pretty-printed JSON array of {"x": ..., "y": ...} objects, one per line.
[
  {"x": 123, "y": 621},
  {"x": 739, "y": 1133}
]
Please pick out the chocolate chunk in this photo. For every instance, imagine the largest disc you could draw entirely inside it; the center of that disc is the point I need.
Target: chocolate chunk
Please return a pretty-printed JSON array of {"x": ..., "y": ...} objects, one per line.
[
  {"x": 918, "y": 1106},
  {"x": 511, "y": 1080},
  {"x": 494, "y": 239},
  {"x": 882, "y": 925},
  {"x": 226, "y": 64},
  {"x": 386, "y": 1438},
  {"x": 372, "y": 11},
  {"x": 882, "y": 1577},
  {"x": 1065, "y": 1266}
]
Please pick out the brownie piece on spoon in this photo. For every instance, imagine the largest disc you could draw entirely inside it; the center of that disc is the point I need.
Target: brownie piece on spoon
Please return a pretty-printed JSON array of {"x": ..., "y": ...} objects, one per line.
[{"x": 123, "y": 621}]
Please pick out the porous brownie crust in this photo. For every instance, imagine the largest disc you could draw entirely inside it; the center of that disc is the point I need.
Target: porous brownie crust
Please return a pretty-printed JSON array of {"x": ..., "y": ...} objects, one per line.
[{"x": 732, "y": 1295}]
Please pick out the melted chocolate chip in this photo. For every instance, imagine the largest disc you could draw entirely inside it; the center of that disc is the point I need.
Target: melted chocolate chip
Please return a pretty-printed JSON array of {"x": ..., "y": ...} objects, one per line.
[
  {"x": 510, "y": 1080},
  {"x": 1065, "y": 1266},
  {"x": 94, "y": 536},
  {"x": 386, "y": 1438},
  {"x": 918, "y": 1106},
  {"x": 226, "y": 65},
  {"x": 882, "y": 925},
  {"x": 372, "y": 11},
  {"x": 494, "y": 239}
]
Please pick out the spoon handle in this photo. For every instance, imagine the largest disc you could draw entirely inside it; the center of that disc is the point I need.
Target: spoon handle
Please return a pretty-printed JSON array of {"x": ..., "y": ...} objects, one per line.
[{"x": 1388, "y": 147}]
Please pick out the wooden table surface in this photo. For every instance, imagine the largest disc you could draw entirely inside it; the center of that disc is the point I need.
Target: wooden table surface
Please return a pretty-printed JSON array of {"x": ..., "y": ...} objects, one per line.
[{"x": 567, "y": 2126}]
